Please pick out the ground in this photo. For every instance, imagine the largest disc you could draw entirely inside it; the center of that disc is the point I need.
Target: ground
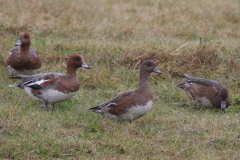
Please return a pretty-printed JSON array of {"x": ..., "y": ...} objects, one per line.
[{"x": 200, "y": 38}]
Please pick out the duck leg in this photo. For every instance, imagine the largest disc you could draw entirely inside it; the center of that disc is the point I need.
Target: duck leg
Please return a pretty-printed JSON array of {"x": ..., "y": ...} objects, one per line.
[
  {"x": 46, "y": 104},
  {"x": 195, "y": 104}
]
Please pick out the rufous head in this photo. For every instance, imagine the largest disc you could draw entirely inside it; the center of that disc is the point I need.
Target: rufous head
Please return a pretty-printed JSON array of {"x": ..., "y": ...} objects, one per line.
[
  {"x": 74, "y": 62},
  {"x": 23, "y": 39}
]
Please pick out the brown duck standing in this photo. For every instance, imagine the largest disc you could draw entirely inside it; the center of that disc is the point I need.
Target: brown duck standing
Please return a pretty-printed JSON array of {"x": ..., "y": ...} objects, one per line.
[{"x": 131, "y": 105}]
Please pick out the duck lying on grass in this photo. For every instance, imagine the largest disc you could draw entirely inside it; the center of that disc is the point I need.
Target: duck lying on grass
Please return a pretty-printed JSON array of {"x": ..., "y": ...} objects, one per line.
[{"x": 23, "y": 59}]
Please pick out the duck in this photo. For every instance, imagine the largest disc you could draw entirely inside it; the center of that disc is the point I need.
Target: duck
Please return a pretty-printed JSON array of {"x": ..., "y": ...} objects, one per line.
[
  {"x": 134, "y": 104},
  {"x": 206, "y": 92},
  {"x": 23, "y": 59},
  {"x": 53, "y": 87}
]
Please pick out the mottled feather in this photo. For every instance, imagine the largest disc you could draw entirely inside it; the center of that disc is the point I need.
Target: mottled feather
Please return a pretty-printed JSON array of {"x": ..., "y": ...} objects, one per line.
[{"x": 206, "y": 92}]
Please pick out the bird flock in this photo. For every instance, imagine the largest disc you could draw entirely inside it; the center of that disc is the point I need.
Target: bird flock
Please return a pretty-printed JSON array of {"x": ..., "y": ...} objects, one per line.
[{"x": 23, "y": 62}]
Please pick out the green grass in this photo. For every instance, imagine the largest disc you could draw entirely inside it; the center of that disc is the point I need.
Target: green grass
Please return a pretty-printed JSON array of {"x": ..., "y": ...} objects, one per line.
[{"x": 114, "y": 37}]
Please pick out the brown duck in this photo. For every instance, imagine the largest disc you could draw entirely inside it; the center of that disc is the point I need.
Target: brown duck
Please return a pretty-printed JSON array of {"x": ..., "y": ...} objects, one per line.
[
  {"x": 131, "y": 105},
  {"x": 205, "y": 92}
]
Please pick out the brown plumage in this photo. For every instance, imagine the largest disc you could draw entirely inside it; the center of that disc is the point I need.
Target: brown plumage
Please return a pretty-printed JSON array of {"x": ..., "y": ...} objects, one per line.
[
  {"x": 23, "y": 59},
  {"x": 205, "y": 92},
  {"x": 53, "y": 87},
  {"x": 133, "y": 104}
]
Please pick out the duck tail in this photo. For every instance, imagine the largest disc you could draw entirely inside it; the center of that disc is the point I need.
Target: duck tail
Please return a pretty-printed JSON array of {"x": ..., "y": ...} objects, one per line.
[
  {"x": 188, "y": 77},
  {"x": 95, "y": 109},
  {"x": 16, "y": 77},
  {"x": 180, "y": 85},
  {"x": 13, "y": 85}
]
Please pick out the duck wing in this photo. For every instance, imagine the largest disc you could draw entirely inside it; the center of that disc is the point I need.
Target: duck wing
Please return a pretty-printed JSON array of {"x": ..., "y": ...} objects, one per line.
[
  {"x": 34, "y": 81},
  {"x": 112, "y": 103},
  {"x": 204, "y": 82}
]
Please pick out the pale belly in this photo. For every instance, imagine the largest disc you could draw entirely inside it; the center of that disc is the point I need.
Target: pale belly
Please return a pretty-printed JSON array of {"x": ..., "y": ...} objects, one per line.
[
  {"x": 50, "y": 95},
  {"x": 134, "y": 112},
  {"x": 204, "y": 102},
  {"x": 12, "y": 71}
]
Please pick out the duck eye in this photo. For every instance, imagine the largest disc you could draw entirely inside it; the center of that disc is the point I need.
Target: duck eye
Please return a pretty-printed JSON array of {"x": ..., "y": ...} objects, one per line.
[
  {"x": 149, "y": 65},
  {"x": 78, "y": 58},
  {"x": 25, "y": 36}
]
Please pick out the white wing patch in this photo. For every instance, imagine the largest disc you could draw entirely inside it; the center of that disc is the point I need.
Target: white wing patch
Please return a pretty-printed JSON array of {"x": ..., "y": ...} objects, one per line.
[
  {"x": 110, "y": 104},
  {"x": 38, "y": 83},
  {"x": 15, "y": 72}
]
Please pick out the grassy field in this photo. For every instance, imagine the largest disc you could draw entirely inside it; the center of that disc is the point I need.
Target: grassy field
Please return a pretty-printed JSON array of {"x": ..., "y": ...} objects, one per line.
[{"x": 200, "y": 38}]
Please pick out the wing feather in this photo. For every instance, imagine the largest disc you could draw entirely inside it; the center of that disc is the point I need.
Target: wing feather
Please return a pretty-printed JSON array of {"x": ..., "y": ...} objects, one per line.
[
  {"x": 205, "y": 82},
  {"x": 114, "y": 102},
  {"x": 33, "y": 80}
]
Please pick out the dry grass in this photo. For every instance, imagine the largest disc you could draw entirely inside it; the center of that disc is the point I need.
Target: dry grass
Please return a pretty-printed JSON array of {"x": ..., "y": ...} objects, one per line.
[{"x": 200, "y": 38}]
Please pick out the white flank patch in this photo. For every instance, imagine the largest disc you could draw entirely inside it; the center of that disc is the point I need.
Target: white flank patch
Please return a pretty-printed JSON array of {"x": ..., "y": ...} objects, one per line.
[
  {"x": 9, "y": 53},
  {"x": 28, "y": 91},
  {"x": 12, "y": 71},
  {"x": 138, "y": 111},
  {"x": 50, "y": 95},
  {"x": 204, "y": 102}
]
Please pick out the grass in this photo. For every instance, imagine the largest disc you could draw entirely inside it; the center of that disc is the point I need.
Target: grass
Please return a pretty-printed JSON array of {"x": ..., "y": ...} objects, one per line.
[{"x": 200, "y": 38}]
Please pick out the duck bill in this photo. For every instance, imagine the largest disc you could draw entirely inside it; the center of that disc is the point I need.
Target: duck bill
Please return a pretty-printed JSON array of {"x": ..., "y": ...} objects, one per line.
[
  {"x": 157, "y": 71},
  {"x": 223, "y": 105},
  {"x": 19, "y": 42},
  {"x": 85, "y": 66}
]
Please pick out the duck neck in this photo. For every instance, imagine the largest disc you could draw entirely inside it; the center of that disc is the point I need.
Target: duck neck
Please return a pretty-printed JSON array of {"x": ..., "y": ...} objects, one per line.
[
  {"x": 143, "y": 80},
  {"x": 24, "y": 48},
  {"x": 71, "y": 71}
]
